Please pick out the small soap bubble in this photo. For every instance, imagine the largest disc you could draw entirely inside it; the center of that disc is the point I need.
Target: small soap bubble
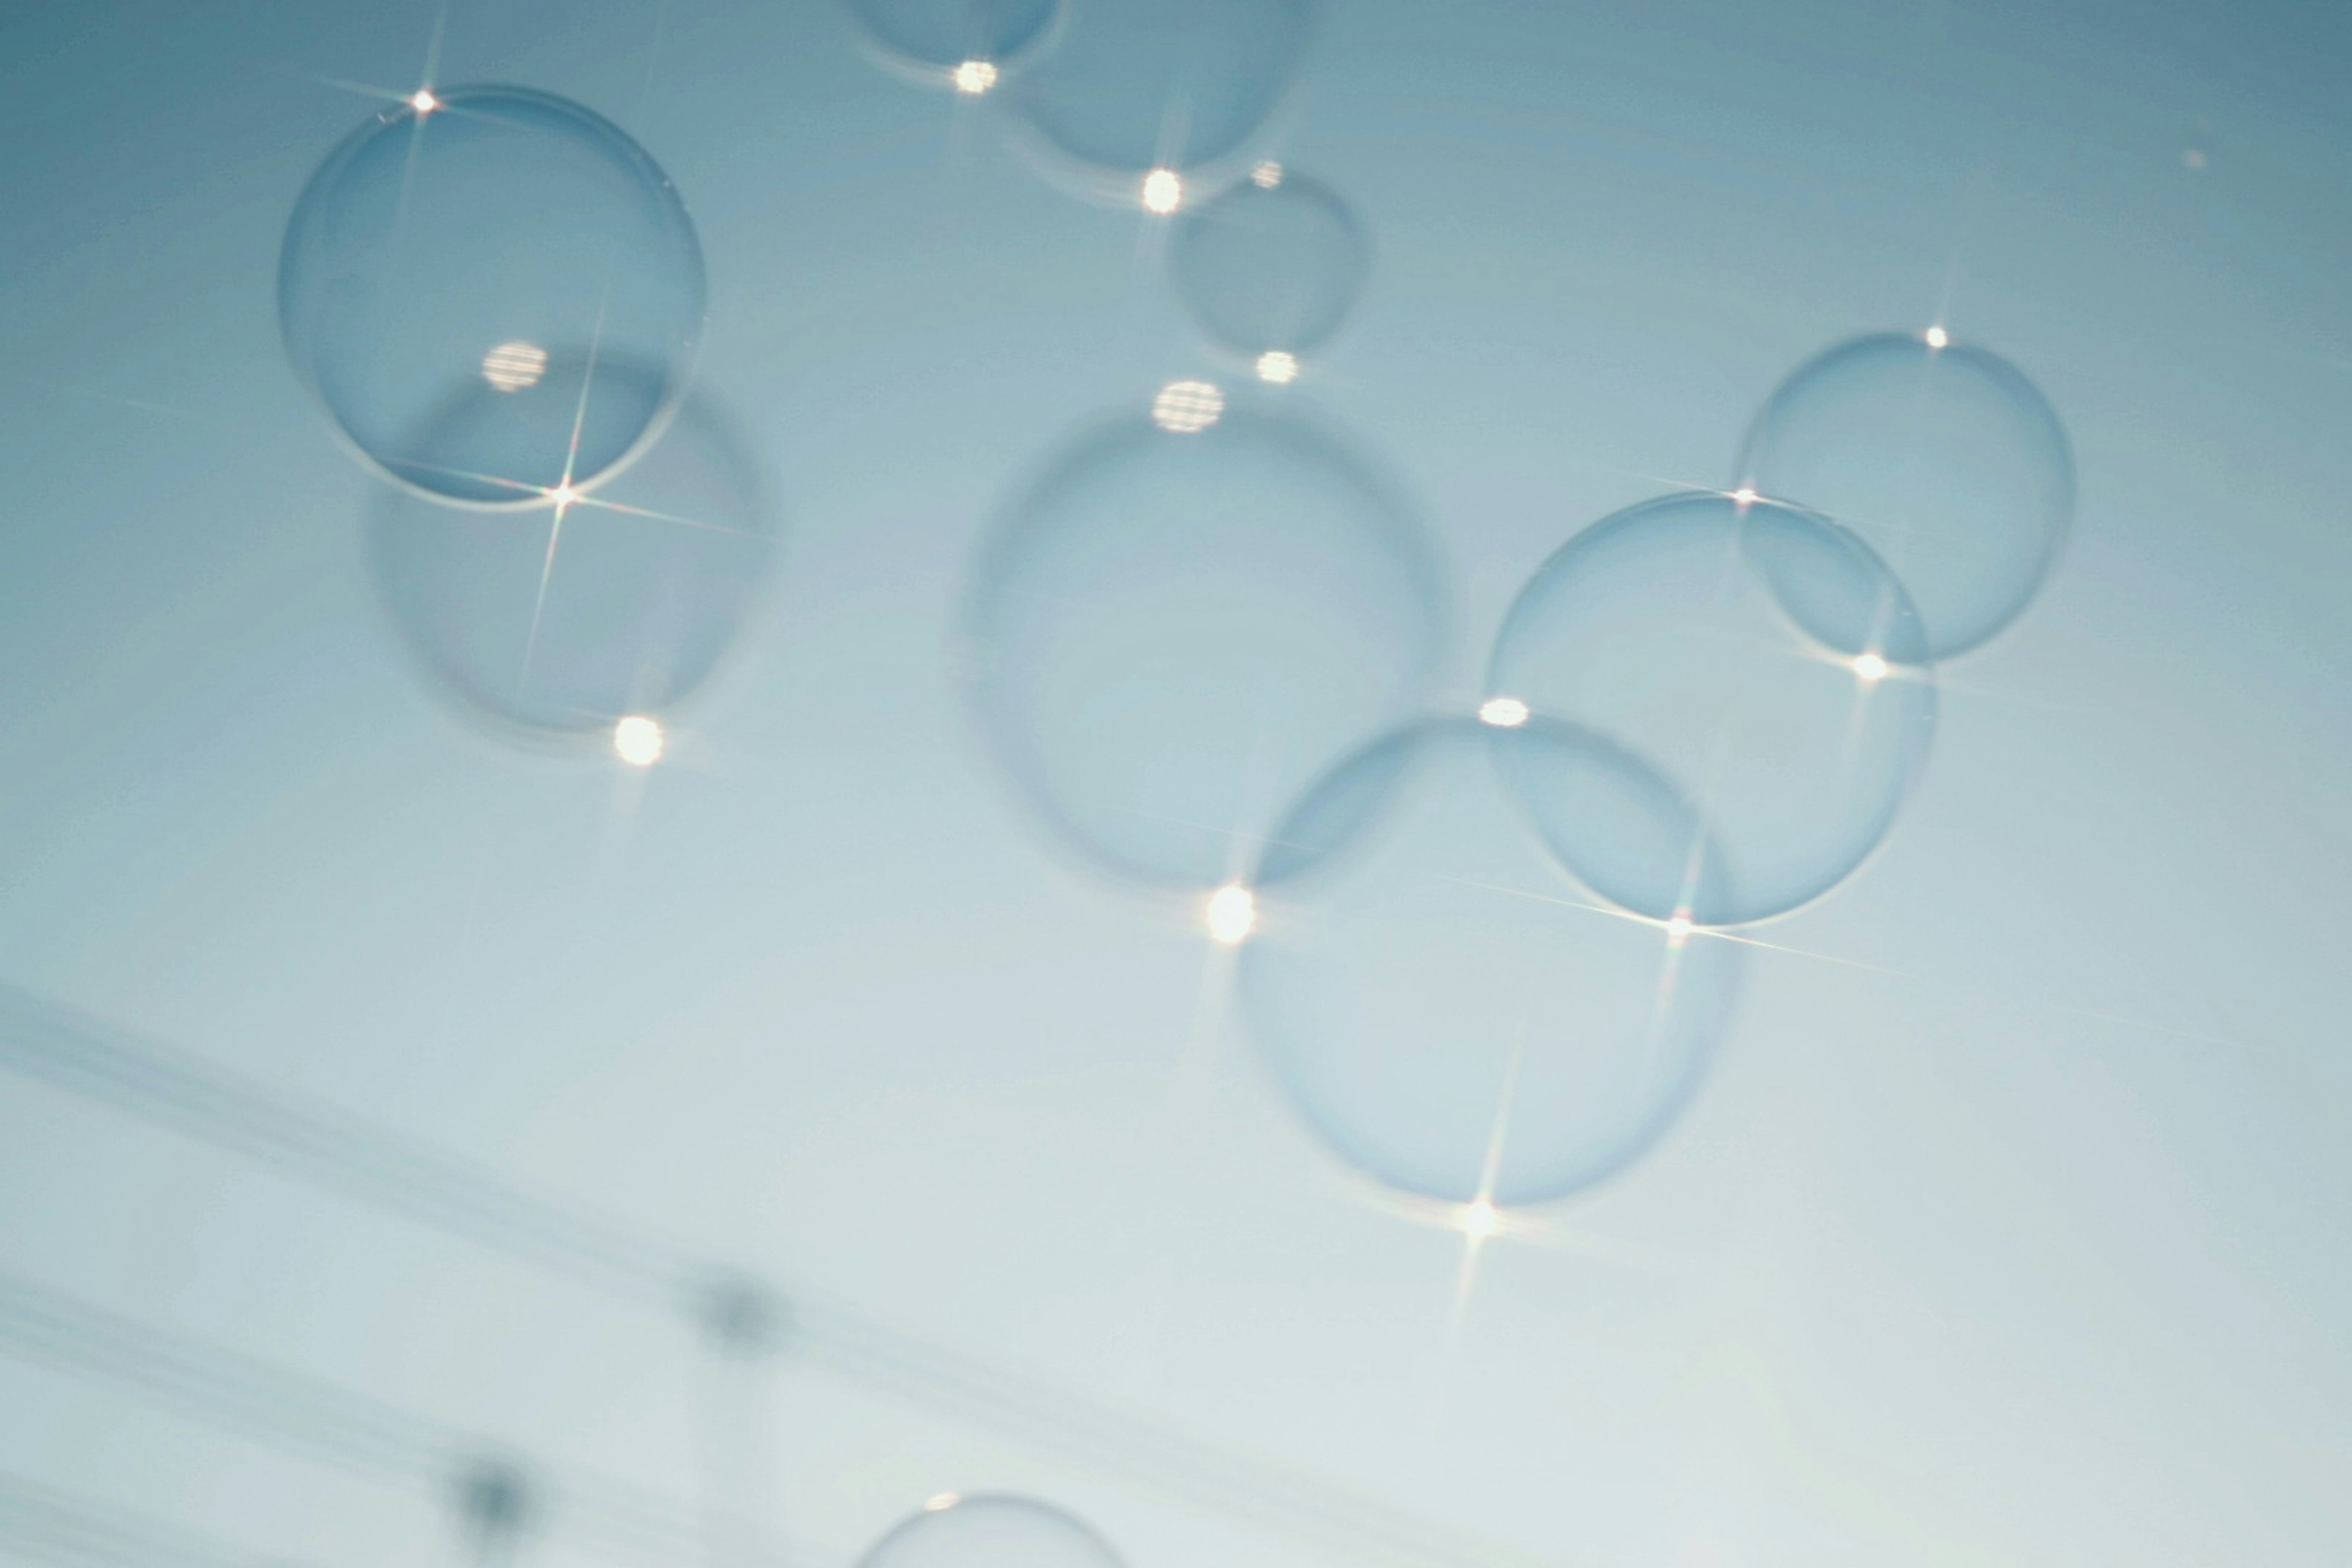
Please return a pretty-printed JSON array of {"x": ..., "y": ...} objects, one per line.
[
  {"x": 458, "y": 280},
  {"x": 1439, "y": 1005},
  {"x": 1177, "y": 625},
  {"x": 991, "y": 1530},
  {"x": 1717, "y": 641},
  {"x": 1271, "y": 268},
  {"x": 1942, "y": 457}
]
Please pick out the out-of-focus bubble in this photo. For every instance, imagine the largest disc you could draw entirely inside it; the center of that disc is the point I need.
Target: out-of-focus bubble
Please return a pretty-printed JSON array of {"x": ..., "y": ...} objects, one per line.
[
  {"x": 1138, "y": 84},
  {"x": 1667, "y": 628},
  {"x": 1943, "y": 456},
  {"x": 990, "y": 1531},
  {"x": 456, "y": 279},
  {"x": 1173, "y": 629},
  {"x": 1438, "y": 1005},
  {"x": 1270, "y": 268},
  {"x": 942, "y": 36},
  {"x": 591, "y": 619}
]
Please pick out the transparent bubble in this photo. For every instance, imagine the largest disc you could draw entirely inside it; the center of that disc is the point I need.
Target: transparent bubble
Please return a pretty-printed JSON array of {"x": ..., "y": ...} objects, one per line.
[
  {"x": 1176, "y": 626},
  {"x": 567, "y": 620},
  {"x": 990, "y": 1531},
  {"x": 1136, "y": 85},
  {"x": 1270, "y": 268},
  {"x": 1439, "y": 1005},
  {"x": 456, "y": 281},
  {"x": 1944, "y": 457},
  {"x": 939, "y": 35},
  {"x": 1669, "y": 628}
]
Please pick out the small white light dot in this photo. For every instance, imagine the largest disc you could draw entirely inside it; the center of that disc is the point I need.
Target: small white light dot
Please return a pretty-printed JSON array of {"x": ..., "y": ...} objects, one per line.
[
  {"x": 1503, "y": 712},
  {"x": 1278, "y": 367},
  {"x": 940, "y": 1503},
  {"x": 2192, "y": 159},
  {"x": 974, "y": 76},
  {"x": 1869, "y": 667},
  {"x": 1937, "y": 338},
  {"x": 1678, "y": 929},
  {"x": 1266, "y": 176},
  {"x": 1163, "y": 191},
  {"x": 639, "y": 741},
  {"x": 423, "y": 101},
  {"x": 1188, "y": 407},
  {"x": 1232, "y": 914},
  {"x": 1745, "y": 495},
  {"x": 514, "y": 367},
  {"x": 1479, "y": 1219}
]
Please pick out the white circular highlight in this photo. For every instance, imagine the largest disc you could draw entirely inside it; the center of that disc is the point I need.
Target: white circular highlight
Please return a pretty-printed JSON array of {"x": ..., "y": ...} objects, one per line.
[
  {"x": 639, "y": 741},
  {"x": 1187, "y": 408}
]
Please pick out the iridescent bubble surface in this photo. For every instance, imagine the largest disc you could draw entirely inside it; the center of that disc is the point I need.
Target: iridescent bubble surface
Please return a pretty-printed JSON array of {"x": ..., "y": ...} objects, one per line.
[
  {"x": 1184, "y": 619},
  {"x": 1271, "y": 266},
  {"x": 1136, "y": 85},
  {"x": 1439, "y": 1005},
  {"x": 1664, "y": 629},
  {"x": 940, "y": 34},
  {"x": 565, "y": 620},
  {"x": 991, "y": 1530},
  {"x": 457, "y": 279},
  {"x": 1944, "y": 457}
]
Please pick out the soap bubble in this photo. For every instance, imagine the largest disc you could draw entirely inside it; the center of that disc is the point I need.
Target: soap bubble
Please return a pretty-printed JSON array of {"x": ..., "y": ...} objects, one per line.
[
  {"x": 1173, "y": 628},
  {"x": 1438, "y": 1005},
  {"x": 458, "y": 282},
  {"x": 1138, "y": 84},
  {"x": 990, "y": 1531},
  {"x": 573, "y": 620},
  {"x": 1270, "y": 268},
  {"x": 1943, "y": 456},
  {"x": 936, "y": 37},
  {"x": 1667, "y": 628}
]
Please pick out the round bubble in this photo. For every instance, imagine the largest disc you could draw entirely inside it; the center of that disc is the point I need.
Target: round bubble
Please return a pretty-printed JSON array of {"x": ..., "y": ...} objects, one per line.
[
  {"x": 1668, "y": 629},
  {"x": 1133, "y": 85},
  {"x": 1439, "y": 1005},
  {"x": 459, "y": 278},
  {"x": 561, "y": 621},
  {"x": 990, "y": 1531},
  {"x": 939, "y": 35},
  {"x": 1272, "y": 266},
  {"x": 1187, "y": 617},
  {"x": 1943, "y": 456}
]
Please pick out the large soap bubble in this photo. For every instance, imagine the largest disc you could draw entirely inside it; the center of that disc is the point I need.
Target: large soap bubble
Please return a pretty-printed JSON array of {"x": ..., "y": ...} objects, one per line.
[
  {"x": 566, "y": 620},
  {"x": 1184, "y": 619},
  {"x": 1273, "y": 266},
  {"x": 461, "y": 275},
  {"x": 1139, "y": 85},
  {"x": 937, "y": 36},
  {"x": 1438, "y": 1007},
  {"x": 991, "y": 1530},
  {"x": 1944, "y": 457},
  {"x": 1667, "y": 627}
]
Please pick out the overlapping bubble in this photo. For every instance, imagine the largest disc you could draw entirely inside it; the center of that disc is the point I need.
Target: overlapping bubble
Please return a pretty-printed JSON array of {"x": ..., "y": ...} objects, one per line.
[
  {"x": 965, "y": 41},
  {"x": 1270, "y": 266},
  {"x": 1683, "y": 629},
  {"x": 1186, "y": 616},
  {"x": 1942, "y": 455},
  {"x": 1438, "y": 1007},
  {"x": 992, "y": 1531},
  {"x": 460, "y": 278}
]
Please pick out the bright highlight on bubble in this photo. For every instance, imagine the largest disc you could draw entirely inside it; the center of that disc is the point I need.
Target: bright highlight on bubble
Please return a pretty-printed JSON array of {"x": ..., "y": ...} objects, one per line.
[
  {"x": 1678, "y": 929},
  {"x": 1187, "y": 408},
  {"x": 1163, "y": 191},
  {"x": 1503, "y": 712},
  {"x": 973, "y": 78},
  {"x": 639, "y": 741},
  {"x": 1278, "y": 367},
  {"x": 1232, "y": 914},
  {"x": 1870, "y": 666},
  {"x": 514, "y": 367},
  {"x": 423, "y": 101},
  {"x": 1937, "y": 338},
  {"x": 1479, "y": 1219},
  {"x": 1745, "y": 495},
  {"x": 1266, "y": 176},
  {"x": 940, "y": 1500}
]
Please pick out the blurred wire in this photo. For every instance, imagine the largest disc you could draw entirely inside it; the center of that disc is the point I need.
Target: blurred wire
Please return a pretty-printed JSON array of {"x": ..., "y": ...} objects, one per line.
[{"x": 348, "y": 1154}]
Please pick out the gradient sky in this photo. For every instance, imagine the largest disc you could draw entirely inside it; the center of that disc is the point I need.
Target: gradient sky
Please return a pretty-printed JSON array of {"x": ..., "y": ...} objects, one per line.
[{"x": 2010, "y": 1226}]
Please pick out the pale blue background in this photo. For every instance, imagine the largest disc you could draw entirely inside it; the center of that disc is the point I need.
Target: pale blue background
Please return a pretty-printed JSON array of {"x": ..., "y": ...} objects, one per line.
[{"x": 2016, "y": 1235}]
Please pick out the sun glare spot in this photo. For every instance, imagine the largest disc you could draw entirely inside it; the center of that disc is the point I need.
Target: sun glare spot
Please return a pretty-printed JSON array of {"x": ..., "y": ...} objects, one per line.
[
  {"x": 1266, "y": 176},
  {"x": 423, "y": 101},
  {"x": 562, "y": 495},
  {"x": 639, "y": 741},
  {"x": 1678, "y": 929},
  {"x": 1937, "y": 338},
  {"x": 1232, "y": 914},
  {"x": 1869, "y": 667},
  {"x": 974, "y": 76},
  {"x": 1278, "y": 367},
  {"x": 1503, "y": 712},
  {"x": 1187, "y": 408},
  {"x": 1163, "y": 191},
  {"x": 1479, "y": 1219},
  {"x": 514, "y": 367},
  {"x": 1745, "y": 495}
]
